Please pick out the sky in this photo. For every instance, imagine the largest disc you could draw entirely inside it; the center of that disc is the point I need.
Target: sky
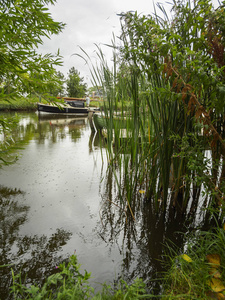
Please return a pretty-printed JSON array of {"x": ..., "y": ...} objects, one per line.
[{"x": 88, "y": 23}]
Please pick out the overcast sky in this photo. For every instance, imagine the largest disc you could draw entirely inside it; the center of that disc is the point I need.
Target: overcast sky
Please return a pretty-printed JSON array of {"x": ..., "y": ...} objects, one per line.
[{"x": 89, "y": 22}]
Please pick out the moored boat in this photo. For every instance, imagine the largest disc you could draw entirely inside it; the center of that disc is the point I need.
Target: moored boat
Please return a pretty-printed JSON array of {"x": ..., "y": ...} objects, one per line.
[{"x": 60, "y": 108}]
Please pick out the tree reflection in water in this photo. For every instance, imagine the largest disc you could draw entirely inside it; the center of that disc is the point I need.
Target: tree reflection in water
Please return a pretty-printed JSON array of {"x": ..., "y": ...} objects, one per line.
[
  {"x": 36, "y": 257},
  {"x": 143, "y": 241}
]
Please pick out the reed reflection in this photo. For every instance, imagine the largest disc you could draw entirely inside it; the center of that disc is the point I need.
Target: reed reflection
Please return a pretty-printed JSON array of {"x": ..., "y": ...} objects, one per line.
[{"x": 145, "y": 231}]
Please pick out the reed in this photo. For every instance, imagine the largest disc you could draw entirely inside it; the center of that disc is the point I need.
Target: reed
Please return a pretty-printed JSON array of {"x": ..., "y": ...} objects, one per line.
[
  {"x": 144, "y": 155},
  {"x": 157, "y": 72}
]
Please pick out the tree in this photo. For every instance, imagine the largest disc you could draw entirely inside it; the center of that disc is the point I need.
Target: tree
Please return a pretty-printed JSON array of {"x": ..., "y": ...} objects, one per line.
[
  {"x": 57, "y": 88},
  {"x": 23, "y": 25},
  {"x": 22, "y": 69},
  {"x": 75, "y": 85}
]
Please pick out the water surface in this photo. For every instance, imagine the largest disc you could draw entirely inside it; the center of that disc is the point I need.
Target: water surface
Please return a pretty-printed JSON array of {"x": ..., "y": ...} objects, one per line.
[{"x": 57, "y": 200}]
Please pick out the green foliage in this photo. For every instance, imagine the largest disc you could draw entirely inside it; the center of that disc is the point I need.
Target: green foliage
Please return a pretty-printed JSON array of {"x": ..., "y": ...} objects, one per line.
[
  {"x": 75, "y": 86},
  {"x": 190, "y": 44},
  {"x": 172, "y": 72},
  {"x": 69, "y": 283},
  {"x": 192, "y": 275},
  {"x": 136, "y": 290},
  {"x": 22, "y": 69},
  {"x": 57, "y": 88},
  {"x": 19, "y": 104}
]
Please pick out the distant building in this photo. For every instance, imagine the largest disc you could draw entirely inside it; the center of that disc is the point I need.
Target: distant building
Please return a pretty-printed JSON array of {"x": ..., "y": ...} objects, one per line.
[{"x": 98, "y": 94}]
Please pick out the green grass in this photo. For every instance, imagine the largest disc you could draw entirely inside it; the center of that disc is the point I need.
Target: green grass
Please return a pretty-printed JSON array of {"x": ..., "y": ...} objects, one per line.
[
  {"x": 18, "y": 104},
  {"x": 192, "y": 274},
  {"x": 29, "y": 104}
]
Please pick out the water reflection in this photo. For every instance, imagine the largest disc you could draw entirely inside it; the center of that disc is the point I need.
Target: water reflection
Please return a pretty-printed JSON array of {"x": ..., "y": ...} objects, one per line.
[
  {"x": 143, "y": 241},
  {"x": 34, "y": 256},
  {"x": 96, "y": 141},
  {"x": 56, "y": 127}
]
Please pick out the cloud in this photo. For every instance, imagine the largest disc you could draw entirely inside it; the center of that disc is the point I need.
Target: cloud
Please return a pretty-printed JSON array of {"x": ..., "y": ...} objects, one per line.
[{"x": 89, "y": 22}]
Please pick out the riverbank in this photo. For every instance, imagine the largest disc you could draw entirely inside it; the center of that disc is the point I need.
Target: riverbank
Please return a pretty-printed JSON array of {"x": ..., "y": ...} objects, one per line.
[
  {"x": 30, "y": 104},
  {"x": 19, "y": 104}
]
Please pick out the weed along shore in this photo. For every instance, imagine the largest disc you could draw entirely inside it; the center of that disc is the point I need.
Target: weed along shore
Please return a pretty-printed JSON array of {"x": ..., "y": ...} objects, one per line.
[
  {"x": 19, "y": 104},
  {"x": 125, "y": 202}
]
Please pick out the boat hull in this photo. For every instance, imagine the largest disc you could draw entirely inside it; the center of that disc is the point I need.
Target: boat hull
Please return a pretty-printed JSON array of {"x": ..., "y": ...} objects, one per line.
[{"x": 61, "y": 109}]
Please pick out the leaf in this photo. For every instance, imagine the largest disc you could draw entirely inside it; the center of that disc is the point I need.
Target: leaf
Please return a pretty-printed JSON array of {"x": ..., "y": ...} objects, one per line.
[
  {"x": 220, "y": 296},
  {"x": 141, "y": 191},
  {"x": 33, "y": 290},
  {"x": 199, "y": 112},
  {"x": 215, "y": 273},
  {"x": 184, "y": 93},
  {"x": 53, "y": 279},
  {"x": 214, "y": 259},
  {"x": 186, "y": 257},
  {"x": 216, "y": 285}
]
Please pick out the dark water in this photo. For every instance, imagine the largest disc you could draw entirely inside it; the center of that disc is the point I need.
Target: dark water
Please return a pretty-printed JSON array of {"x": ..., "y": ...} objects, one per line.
[{"x": 57, "y": 199}]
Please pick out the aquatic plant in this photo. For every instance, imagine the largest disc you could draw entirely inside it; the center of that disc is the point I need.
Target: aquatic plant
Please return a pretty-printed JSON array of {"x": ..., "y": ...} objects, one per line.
[{"x": 170, "y": 71}]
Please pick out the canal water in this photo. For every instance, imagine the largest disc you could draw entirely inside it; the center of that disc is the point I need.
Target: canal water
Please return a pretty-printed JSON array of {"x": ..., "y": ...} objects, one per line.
[{"x": 58, "y": 198}]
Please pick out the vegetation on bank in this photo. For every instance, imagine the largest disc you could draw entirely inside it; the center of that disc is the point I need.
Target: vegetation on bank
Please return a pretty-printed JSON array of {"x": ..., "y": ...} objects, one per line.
[
  {"x": 199, "y": 271},
  {"x": 69, "y": 283},
  {"x": 30, "y": 104},
  {"x": 19, "y": 104},
  {"x": 172, "y": 72},
  {"x": 171, "y": 69}
]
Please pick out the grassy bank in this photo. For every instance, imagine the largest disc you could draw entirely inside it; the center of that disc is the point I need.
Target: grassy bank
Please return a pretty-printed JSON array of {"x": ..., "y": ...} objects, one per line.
[
  {"x": 19, "y": 104},
  {"x": 199, "y": 272},
  {"x": 30, "y": 104}
]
